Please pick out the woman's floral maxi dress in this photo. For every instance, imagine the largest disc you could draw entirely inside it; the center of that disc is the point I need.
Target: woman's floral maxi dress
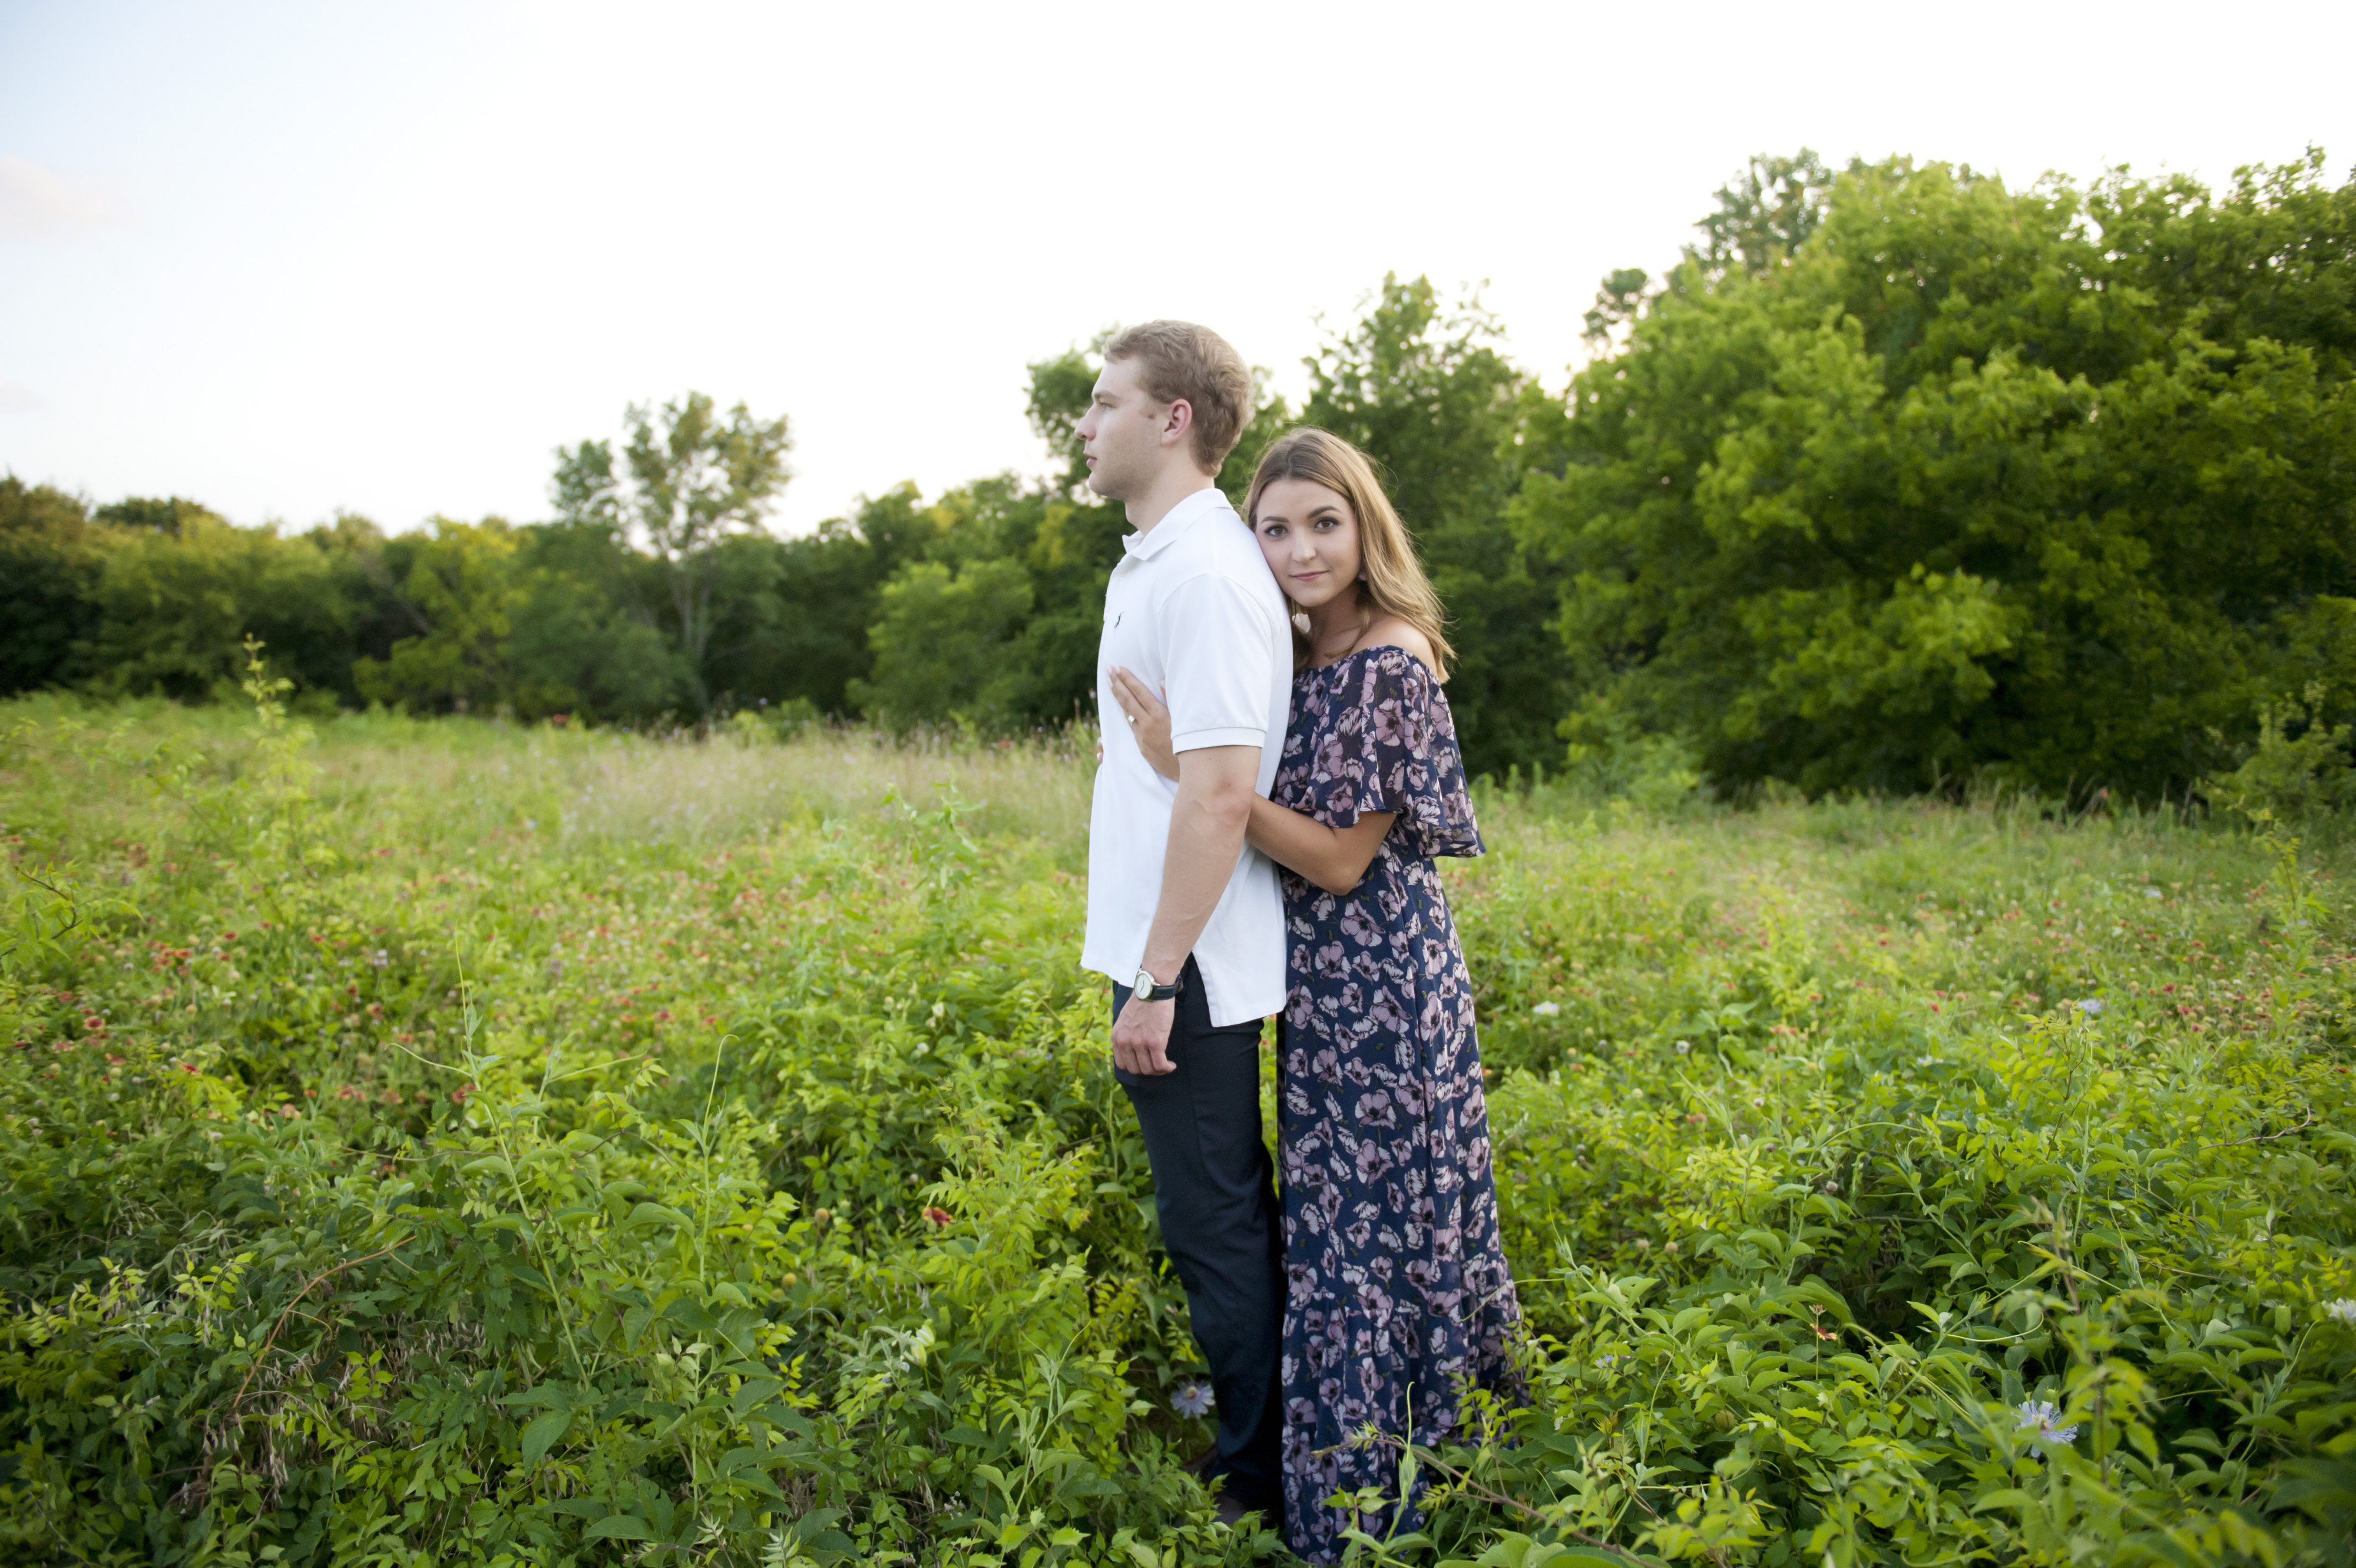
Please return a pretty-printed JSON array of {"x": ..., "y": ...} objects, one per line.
[{"x": 1398, "y": 1295}]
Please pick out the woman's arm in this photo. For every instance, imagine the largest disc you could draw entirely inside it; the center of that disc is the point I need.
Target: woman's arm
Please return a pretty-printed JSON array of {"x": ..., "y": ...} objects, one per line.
[{"x": 1333, "y": 858}]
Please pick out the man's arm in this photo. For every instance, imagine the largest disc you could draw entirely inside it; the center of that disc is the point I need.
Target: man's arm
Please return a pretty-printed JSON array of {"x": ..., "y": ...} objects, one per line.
[{"x": 1216, "y": 786}]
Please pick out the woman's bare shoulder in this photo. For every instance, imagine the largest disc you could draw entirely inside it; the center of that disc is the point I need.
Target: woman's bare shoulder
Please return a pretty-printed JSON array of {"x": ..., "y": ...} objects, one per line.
[{"x": 1390, "y": 630}]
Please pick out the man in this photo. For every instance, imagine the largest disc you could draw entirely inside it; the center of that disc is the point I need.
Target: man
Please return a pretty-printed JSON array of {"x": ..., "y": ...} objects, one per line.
[{"x": 1187, "y": 919}]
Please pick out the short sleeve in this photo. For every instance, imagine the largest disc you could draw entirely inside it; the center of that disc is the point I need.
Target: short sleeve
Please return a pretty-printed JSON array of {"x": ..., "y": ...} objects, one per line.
[
  {"x": 1392, "y": 748},
  {"x": 1220, "y": 660}
]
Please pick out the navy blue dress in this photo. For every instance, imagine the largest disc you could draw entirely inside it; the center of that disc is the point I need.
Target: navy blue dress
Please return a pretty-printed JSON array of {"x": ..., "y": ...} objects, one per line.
[{"x": 1397, "y": 1296}]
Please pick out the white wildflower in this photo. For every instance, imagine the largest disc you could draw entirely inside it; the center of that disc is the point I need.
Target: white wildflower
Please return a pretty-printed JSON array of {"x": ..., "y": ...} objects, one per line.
[{"x": 2038, "y": 1416}]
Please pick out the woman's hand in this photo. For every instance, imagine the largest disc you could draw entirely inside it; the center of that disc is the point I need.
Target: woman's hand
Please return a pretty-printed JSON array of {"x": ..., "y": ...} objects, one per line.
[{"x": 1148, "y": 721}]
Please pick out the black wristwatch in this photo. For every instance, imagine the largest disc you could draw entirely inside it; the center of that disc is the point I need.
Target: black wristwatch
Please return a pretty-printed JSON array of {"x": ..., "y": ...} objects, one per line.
[{"x": 1146, "y": 990}]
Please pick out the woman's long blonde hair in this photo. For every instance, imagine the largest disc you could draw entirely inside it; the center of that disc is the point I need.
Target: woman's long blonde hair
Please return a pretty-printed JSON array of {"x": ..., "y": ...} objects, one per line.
[{"x": 1393, "y": 583}]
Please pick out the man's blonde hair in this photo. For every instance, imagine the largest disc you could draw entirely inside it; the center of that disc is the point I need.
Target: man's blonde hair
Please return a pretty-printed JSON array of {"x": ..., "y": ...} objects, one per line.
[
  {"x": 1394, "y": 583},
  {"x": 1180, "y": 361}
]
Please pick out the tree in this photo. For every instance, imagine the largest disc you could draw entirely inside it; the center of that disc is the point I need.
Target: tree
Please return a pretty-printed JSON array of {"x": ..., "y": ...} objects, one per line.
[
  {"x": 456, "y": 588},
  {"x": 580, "y": 644},
  {"x": 791, "y": 615},
  {"x": 1431, "y": 396},
  {"x": 173, "y": 610},
  {"x": 48, "y": 576},
  {"x": 1971, "y": 481},
  {"x": 1764, "y": 214},
  {"x": 160, "y": 515},
  {"x": 690, "y": 480},
  {"x": 940, "y": 638}
]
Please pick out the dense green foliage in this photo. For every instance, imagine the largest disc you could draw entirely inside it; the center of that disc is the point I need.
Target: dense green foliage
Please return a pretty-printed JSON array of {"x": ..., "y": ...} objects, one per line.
[
  {"x": 460, "y": 1143},
  {"x": 1939, "y": 478}
]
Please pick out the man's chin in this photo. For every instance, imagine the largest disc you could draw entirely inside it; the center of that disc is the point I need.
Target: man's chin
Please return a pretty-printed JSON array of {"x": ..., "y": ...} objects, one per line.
[{"x": 1103, "y": 484}]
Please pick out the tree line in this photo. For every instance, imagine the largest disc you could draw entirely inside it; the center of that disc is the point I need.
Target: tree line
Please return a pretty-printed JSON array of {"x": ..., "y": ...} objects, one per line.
[{"x": 1900, "y": 476}]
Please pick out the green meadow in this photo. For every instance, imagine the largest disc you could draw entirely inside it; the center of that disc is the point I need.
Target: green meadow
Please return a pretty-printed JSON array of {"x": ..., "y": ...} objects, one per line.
[{"x": 450, "y": 1142}]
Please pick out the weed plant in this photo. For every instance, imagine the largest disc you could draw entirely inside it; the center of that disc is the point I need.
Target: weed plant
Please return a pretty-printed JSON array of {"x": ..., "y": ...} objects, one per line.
[{"x": 451, "y": 1143}]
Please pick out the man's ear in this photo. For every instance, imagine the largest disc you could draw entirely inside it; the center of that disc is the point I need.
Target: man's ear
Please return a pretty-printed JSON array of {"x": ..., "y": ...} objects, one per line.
[{"x": 1177, "y": 422}]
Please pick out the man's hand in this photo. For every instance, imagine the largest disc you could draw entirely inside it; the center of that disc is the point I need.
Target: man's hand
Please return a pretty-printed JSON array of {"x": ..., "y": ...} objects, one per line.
[{"x": 1140, "y": 1038}]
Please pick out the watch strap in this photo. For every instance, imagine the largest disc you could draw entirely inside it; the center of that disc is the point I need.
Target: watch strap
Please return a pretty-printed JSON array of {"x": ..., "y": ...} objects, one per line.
[{"x": 1153, "y": 991}]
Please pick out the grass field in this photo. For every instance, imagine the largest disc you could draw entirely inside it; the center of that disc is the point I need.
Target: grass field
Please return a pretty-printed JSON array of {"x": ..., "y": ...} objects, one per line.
[{"x": 453, "y": 1143}]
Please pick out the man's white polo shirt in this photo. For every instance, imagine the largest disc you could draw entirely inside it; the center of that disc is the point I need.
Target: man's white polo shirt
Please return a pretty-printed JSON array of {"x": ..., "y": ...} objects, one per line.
[{"x": 1194, "y": 612}]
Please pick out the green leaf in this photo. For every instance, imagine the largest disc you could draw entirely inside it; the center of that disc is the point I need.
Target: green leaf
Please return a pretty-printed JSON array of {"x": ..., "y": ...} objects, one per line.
[
  {"x": 755, "y": 1392},
  {"x": 542, "y": 1433},
  {"x": 619, "y": 1527},
  {"x": 689, "y": 1314}
]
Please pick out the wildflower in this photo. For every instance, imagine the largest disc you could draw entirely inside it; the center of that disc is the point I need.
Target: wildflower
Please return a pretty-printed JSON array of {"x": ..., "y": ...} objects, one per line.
[
  {"x": 938, "y": 1217},
  {"x": 458, "y": 1095},
  {"x": 2342, "y": 1310},
  {"x": 378, "y": 959},
  {"x": 1548, "y": 1009},
  {"x": 1607, "y": 1362},
  {"x": 288, "y": 1112},
  {"x": 1193, "y": 1397},
  {"x": 2152, "y": 892},
  {"x": 2038, "y": 1416},
  {"x": 1683, "y": 1048},
  {"x": 2091, "y": 1008}
]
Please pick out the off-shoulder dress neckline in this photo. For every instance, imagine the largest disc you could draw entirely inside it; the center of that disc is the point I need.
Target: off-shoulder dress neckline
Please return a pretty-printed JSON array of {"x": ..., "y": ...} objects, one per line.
[{"x": 1371, "y": 647}]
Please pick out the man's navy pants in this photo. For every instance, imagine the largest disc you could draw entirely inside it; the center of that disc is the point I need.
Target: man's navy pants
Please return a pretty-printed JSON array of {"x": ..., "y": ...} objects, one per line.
[{"x": 1216, "y": 1193}]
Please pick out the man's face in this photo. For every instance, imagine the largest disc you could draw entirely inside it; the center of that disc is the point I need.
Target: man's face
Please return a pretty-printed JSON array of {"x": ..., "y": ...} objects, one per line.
[{"x": 1122, "y": 432}]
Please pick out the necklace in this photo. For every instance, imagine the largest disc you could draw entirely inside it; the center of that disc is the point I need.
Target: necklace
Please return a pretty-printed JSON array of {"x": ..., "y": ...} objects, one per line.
[{"x": 1366, "y": 624}]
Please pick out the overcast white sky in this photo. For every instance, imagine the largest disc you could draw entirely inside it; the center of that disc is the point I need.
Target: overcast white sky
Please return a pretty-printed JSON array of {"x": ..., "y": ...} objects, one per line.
[{"x": 292, "y": 258}]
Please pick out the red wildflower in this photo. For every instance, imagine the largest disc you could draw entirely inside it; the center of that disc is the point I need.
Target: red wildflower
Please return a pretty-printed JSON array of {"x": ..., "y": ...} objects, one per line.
[{"x": 936, "y": 1215}]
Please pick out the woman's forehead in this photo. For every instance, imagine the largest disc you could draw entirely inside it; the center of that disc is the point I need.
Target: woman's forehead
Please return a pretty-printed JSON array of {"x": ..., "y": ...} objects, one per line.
[{"x": 1285, "y": 499}]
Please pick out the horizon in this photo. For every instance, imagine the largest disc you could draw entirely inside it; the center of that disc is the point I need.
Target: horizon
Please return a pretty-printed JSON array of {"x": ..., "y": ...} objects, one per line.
[{"x": 290, "y": 263}]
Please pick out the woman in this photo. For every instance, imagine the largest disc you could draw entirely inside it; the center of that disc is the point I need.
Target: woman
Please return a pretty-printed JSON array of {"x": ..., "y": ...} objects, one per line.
[{"x": 1398, "y": 1299}]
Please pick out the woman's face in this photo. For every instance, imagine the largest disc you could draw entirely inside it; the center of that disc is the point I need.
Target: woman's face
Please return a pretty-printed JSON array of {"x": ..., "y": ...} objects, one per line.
[{"x": 1311, "y": 539}]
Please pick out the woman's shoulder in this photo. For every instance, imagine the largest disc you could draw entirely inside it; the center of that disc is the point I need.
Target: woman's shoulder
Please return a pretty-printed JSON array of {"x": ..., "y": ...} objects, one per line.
[
  {"x": 1392, "y": 648},
  {"x": 1390, "y": 632}
]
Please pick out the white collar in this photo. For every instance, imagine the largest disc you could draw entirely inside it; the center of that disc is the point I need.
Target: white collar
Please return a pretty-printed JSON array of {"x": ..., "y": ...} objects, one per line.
[{"x": 1175, "y": 522}]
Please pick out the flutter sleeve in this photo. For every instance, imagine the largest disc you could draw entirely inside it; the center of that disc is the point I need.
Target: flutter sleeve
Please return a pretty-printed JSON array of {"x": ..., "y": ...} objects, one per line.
[{"x": 1392, "y": 748}]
